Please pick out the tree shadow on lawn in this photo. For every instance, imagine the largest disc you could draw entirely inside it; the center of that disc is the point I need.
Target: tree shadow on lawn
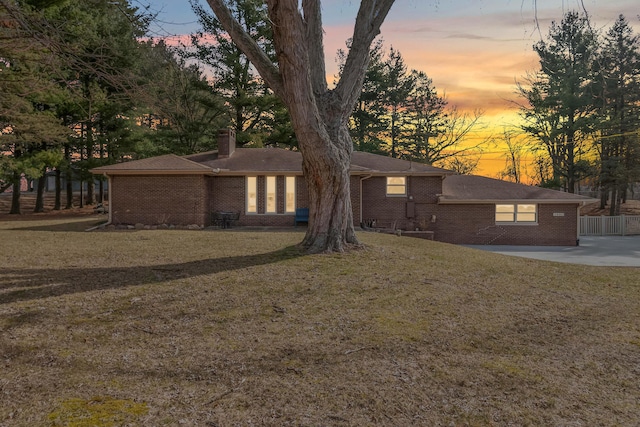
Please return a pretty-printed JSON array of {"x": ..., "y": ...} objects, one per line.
[{"x": 44, "y": 283}]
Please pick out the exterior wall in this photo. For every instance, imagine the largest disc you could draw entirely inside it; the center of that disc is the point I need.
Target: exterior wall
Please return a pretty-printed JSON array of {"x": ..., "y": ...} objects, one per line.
[
  {"x": 158, "y": 199},
  {"x": 422, "y": 193},
  {"x": 191, "y": 199},
  {"x": 228, "y": 194},
  {"x": 475, "y": 225}
]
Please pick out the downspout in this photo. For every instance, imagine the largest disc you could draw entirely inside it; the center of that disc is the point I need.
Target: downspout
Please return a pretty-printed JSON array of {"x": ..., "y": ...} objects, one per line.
[
  {"x": 578, "y": 227},
  {"x": 362, "y": 179},
  {"x": 109, "y": 190}
]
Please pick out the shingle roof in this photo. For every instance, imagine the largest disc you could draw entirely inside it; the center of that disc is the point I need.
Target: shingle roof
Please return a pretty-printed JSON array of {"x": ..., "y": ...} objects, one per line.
[
  {"x": 264, "y": 160},
  {"x": 479, "y": 189},
  {"x": 455, "y": 188},
  {"x": 252, "y": 160},
  {"x": 382, "y": 164},
  {"x": 169, "y": 163},
  {"x": 258, "y": 160}
]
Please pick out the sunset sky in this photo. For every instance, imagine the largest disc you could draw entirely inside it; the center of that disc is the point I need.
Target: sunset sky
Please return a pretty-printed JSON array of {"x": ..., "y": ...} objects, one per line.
[{"x": 474, "y": 50}]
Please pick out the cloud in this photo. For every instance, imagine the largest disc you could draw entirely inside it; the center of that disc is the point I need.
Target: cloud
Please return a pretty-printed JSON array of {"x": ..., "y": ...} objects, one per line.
[{"x": 468, "y": 36}]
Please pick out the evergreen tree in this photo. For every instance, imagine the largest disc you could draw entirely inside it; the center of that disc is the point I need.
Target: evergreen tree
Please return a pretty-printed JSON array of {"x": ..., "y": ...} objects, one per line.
[
  {"x": 400, "y": 113},
  {"x": 252, "y": 106},
  {"x": 620, "y": 115},
  {"x": 183, "y": 107},
  {"x": 560, "y": 97},
  {"x": 30, "y": 130},
  {"x": 368, "y": 120},
  {"x": 399, "y": 84},
  {"x": 99, "y": 39}
]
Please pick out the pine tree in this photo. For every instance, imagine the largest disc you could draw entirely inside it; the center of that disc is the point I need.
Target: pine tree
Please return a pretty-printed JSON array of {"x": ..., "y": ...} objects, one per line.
[
  {"x": 620, "y": 115},
  {"x": 560, "y": 96},
  {"x": 252, "y": 106}
]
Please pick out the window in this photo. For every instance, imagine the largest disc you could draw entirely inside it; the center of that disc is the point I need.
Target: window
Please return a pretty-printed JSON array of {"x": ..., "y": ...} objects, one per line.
[
  {"x": 271, "y": 194},
  {"x": 271, "y": 207},
  {"x": 290, "y": 194},
  {"x": 516, "y": 213},
  {"x": 252, "y": 194},
  {"x": 396, "y": 186}
]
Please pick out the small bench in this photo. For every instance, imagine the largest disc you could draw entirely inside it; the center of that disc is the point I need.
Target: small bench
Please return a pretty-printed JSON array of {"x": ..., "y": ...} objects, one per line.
[
  {"x": 224, "y": 219},
  {"x": 302, "y": 215}
]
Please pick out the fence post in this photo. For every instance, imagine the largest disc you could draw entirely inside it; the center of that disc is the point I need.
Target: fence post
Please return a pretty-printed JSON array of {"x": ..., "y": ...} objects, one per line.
[
  {"x": 602, "y": 225},
  {"x": 623, "y": 225}
]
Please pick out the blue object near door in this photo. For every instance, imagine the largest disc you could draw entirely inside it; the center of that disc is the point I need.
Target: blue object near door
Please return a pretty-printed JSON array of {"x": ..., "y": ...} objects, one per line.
[{"x": 302, "y": 215}]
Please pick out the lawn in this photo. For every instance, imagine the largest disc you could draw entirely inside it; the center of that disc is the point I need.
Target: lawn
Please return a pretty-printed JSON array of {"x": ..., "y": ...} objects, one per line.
[{"x": 237, "y": 328}]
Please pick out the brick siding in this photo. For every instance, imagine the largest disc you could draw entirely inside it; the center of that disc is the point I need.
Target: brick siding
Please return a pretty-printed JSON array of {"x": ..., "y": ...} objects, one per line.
[
  {"x": 475, "y": 225},
  {"x": 161, "y": 199},
  {"x": 191, "y": 199},
  {"x": 389, "y": 210},
  {"x": 228, "y": 193}
]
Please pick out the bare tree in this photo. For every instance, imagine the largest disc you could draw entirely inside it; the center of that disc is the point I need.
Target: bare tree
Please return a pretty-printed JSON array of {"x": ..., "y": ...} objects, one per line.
[
  {"x": 462, "y": 165},
  {"x": 456, "y": 131},
  {"x": 513, "y": 156},
  {"x": 319, "y": 115}
]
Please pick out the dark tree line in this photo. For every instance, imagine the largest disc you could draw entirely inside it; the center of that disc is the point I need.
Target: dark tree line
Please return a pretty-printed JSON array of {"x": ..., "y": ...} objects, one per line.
[
  {"x": 82, "y": 86},
  {"x": 583, "y": 106}
]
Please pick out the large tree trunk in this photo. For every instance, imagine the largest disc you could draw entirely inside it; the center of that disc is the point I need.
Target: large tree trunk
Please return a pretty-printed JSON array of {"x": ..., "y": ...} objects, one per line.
[
  {"x": 326, "y": 169},
  {"x": 319, "y": 116}
]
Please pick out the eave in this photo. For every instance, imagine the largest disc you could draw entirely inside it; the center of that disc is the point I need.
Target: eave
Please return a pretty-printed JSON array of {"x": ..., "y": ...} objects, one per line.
[{"x": 443, "y": 201}]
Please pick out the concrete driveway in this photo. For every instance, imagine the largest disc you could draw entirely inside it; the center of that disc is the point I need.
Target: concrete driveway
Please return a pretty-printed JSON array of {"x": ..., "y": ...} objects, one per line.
[{"x": 616, "y": 251}]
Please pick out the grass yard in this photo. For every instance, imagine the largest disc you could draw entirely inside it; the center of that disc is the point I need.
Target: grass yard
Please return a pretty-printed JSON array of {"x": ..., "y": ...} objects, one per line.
[{"x": 199, "y": 328}]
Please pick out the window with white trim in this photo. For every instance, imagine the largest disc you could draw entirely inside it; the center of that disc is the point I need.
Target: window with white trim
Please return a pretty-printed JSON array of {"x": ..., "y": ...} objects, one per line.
[
  {"x": 263, "y": 194},
  {"x": 271, "y": 202},
  {"x": 396, "y": 186},
  {"x": 517, "y": 213},
  {"x": 290, "y": 194},
  {"x": 252, "y": 194}
]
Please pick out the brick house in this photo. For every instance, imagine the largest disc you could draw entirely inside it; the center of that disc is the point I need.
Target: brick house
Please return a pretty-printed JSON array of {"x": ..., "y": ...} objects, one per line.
[{"x": 264, "y": 186}]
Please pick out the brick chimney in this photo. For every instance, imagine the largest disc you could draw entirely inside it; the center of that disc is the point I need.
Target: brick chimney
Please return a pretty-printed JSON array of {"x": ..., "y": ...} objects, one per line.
[{"x": 226, "y": 143}]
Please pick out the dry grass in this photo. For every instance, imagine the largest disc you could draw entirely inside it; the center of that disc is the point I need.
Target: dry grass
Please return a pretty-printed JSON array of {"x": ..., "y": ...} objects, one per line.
[{"x": 157, "y": 328}]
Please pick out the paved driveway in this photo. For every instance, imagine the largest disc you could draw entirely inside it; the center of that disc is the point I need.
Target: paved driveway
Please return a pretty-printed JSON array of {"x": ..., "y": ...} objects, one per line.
[{"x": 619, "y": 251}]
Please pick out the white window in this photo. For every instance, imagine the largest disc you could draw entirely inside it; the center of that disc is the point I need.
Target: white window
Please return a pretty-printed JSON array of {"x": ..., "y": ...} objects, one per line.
[
  {"x": 290, "y": 194},
  {"x": 252, "y": 194},
  {"x": 396, "y": 186},
  {"x": 272, "y": 206},
  {"x": 517, "y": 213}
]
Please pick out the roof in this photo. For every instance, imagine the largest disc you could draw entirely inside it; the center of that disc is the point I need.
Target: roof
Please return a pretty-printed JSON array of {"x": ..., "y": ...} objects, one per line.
[
  {"x": 456, "y": 189},
  {"x": 469, "y": 189},
  {"x": 375, "y": 163},
  {"x": 251, "y": 160},
  {"x": 263, "y": 160},
  {"x": 167, "y": 164}
]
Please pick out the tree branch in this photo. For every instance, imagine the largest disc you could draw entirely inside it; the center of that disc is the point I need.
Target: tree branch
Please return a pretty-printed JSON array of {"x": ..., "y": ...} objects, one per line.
[
  {"x": 314, "y": 40},
  {"x": 256, "y": 55},
  {"x": 371, "y": 15}
]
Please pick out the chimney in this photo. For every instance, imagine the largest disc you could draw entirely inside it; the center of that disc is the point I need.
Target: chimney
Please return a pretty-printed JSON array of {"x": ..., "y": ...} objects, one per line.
[{"x": 226, "y": 143}]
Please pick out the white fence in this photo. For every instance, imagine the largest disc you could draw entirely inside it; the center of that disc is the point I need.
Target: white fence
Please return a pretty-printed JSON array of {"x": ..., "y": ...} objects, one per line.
[{"x": 623, "y": 225}]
